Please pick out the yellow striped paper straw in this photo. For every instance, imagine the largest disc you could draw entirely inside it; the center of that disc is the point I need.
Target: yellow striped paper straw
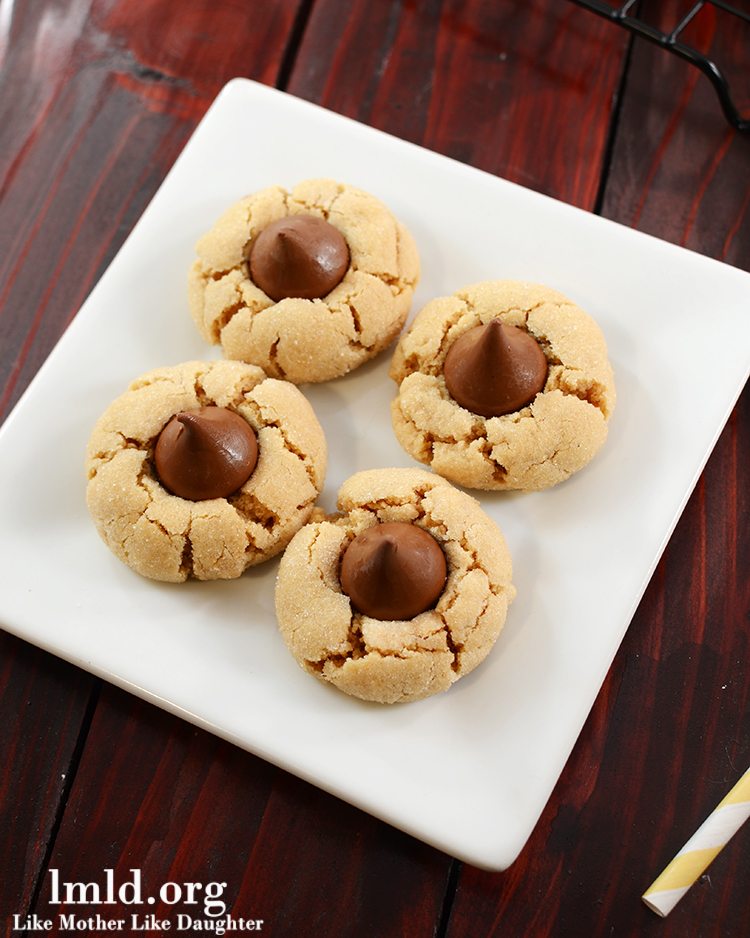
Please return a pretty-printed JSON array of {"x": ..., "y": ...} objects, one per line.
[{"x": 723, "y": 822}]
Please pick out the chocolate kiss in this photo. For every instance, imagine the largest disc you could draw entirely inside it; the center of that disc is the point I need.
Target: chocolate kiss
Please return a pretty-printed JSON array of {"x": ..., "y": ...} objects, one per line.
[
  {"x": 393, "y": 571},
  {"x": 206, "y": 453},
  {"x": 495, "y": 369},
  {"x": 302, "y": 256}
]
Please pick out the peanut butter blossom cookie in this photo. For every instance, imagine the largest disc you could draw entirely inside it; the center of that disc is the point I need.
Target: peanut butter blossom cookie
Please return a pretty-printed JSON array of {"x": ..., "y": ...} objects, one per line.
[
  {"x": 504, "y": 385},
  {"x": 204, "y": 469},
  {"x": 401, "y": 594},
  {"x": 307, "y": 284}
]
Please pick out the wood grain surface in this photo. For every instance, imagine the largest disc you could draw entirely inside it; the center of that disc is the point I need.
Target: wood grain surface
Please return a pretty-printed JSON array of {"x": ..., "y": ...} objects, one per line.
[{"x": 97, "y": 98}]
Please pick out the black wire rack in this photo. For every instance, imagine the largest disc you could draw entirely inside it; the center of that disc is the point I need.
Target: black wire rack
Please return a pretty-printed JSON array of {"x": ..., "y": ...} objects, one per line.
[{"x": 670, "y": 40}]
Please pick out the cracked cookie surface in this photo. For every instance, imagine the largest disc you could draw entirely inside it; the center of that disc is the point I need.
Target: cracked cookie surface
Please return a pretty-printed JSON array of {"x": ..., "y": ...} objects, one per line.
[
  {"x": 296, "y": 339},
  {"x": 393, "y": 662},
  {"x": 533, "y": 448},
  {"x": 165, "y": 537}
]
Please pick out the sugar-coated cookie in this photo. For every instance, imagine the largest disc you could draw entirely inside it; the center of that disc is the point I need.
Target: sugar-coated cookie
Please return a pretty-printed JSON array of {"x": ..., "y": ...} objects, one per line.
[
  {"x": 390, "y": 660},
  {"x": 198, "y": 533},
  {"x": 334, "y": 299},
  {"x": 547, "y": 424}
]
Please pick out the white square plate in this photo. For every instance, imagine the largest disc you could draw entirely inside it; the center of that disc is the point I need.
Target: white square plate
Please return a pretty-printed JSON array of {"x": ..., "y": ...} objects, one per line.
[{"x": 470, "y": 770}]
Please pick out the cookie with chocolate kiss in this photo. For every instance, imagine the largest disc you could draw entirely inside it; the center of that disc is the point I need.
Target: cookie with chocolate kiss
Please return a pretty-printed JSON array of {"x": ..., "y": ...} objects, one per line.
[
  {"x": 504, "y": 385},
  {"x": 203, "y": 469},
  {"x": 308, "y": 284},
  {"x": 401, "y": 593}
]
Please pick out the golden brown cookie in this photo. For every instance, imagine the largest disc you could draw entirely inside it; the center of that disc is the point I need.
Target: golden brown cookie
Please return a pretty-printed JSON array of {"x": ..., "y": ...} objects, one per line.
[
  {"x": 167, "y": 537},
  {"x": 395, "y": 661},
  {"x": 534, "y": 447},
  {"x": 305, "y": 339}
]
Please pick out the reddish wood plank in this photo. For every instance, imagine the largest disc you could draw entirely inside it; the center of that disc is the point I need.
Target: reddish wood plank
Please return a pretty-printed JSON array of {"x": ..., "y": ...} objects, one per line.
[
  {"x": 384, "y": 882},
  {"x": 181, "y": 805},
  {"x": 679, "y": 171},
  {"x": 42, "y": 705},
  {"x": 523, "y": 90},
  {"x": 98, "y": 99},
  {"x": 154, "y": 793},
  {"x": 670, "y": 732}
]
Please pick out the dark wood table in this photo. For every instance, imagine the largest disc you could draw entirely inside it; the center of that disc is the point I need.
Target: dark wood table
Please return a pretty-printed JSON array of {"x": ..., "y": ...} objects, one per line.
[{"x": 97, "y": 99}]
